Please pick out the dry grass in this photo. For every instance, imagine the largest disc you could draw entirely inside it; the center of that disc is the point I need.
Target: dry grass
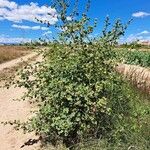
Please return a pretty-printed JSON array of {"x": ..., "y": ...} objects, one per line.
[
  {"x": 8, "y": 53},
  {"x": 9, "y": 73},
  {"x": 138, "y": 76}
]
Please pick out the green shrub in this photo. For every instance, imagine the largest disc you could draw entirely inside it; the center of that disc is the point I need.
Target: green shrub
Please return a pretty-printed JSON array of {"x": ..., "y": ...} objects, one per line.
[
  {"x": 134, "y": 45},
  {"x": 138, "y": 58},
  {"x": 78, "y": 93}
]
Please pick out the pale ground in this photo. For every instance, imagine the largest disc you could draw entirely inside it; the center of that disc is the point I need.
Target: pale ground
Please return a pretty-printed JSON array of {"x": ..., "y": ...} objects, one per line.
[{"x": 10, "y": 110}]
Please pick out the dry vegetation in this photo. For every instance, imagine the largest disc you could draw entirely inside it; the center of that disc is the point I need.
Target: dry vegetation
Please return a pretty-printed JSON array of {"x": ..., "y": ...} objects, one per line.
[
  {"x": 11, "y": 52},
  {"x": 7, "y": 73},
  {"x": 138, "y": 76}
]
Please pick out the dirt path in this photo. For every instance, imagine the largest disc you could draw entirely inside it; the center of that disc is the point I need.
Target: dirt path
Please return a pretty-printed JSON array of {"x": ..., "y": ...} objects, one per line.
[
  {"x": 10, "y": 110},
  {"x": 14, "y": 62},
  {"x": 13, "y": 110}
]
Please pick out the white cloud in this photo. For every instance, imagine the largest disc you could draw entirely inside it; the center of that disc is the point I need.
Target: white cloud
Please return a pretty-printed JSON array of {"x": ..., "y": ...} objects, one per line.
[
  {"x": 69, "y": 18},
  {"x": 29, "y": 27},
  {"x": 8, "y": 4},
  {"x": 140, "y": 14},
  {"x": 141, "y": 36},
  {"x": 133, "y": 37},
  {"x": 8, "y": 40},
  {"x": 11, "y": 11},
  {"x": 47, "y": 33},
  {"x": 145, "y": 32},
  {"x": 44, "y": 28}
]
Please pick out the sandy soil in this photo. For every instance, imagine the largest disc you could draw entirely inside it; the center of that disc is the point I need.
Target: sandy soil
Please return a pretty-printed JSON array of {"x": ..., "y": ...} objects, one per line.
[
  {"x": 10, "y": 110},
  {"x": 11, "y": 139}
]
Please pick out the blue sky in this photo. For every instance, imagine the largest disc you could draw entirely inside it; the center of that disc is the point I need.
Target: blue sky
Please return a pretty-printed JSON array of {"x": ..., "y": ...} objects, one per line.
[{"x": 18, "y": 24}]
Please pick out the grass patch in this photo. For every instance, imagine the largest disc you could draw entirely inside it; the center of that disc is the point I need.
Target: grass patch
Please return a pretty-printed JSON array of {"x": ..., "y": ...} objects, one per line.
[
  {"x": 141, "y": 58},
  {"x": 134, "y": 57}
]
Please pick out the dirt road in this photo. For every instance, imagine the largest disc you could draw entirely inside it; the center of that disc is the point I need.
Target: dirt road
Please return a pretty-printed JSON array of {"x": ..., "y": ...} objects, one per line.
[
  {"x": 10, "y": 110},
  {"x": 11, "y": 139},
  {"x": 14, "y": 62}
]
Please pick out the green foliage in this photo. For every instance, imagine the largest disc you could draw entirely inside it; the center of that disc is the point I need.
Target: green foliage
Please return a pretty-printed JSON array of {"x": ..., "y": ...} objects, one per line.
[
  {"x": 78, "y": 93},
  {"x": 138, "y": 58},
  {"x": 133, "y": 57},
  {"x": 134, "y": 45},
  {"x": 135, "y": 132}
]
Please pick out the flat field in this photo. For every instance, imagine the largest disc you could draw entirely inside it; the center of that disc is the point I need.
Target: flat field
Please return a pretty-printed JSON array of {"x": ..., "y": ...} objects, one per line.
[{"x": 8, "y": 53}]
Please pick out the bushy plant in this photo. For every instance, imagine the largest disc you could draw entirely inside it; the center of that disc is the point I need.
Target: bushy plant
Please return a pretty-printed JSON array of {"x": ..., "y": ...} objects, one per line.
[
  {"x": 78, "y": 93},
  {"x": 133, "y": 45},
  {"x": 140, "y": 58}
]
